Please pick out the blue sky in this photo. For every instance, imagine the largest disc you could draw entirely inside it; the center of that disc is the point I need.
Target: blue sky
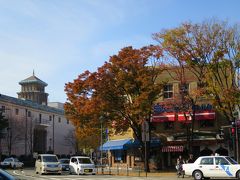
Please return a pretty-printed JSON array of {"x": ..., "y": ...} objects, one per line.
[{"x": 60, "y": 39}]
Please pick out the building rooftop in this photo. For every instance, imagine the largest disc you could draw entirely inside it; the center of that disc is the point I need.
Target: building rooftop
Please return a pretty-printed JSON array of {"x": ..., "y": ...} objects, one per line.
[
  {"x": 33, "y": 79},
  {"x": 30, "y": 104}
]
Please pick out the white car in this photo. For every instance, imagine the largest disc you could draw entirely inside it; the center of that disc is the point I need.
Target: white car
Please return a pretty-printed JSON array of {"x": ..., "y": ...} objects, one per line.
[
  {"x": 47, "y": 163},
  {"x": 213, "y": 167},
  {"x": 12, "y": 163},
  {"x": 82, "y": 165}
]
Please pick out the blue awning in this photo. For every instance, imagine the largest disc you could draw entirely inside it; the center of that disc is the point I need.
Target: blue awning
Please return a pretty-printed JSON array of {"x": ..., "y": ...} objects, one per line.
[
  {"x": 153, "y": 143},
  {"x": 116, "y": 145}
]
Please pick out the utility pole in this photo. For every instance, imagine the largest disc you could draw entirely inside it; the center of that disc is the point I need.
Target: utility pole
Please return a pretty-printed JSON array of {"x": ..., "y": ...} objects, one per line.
[
  {"x": 101, "y": 143},
  {"x": 53, "y": 138},
  {"x": 26, "y": 130},
  {"x": 101, "y": 118},
  {"x": 237, "y": 113},
  {"x": 146, "y": 139}
]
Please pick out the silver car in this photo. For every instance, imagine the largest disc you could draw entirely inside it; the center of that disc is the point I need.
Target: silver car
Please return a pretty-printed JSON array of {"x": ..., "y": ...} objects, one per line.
[{"x": 11, "y": 163}]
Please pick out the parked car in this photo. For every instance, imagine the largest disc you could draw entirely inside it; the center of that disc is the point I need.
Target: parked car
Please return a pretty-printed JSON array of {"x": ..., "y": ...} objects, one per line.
[
  {"x": 11, "y": 163},
  {"x": 5, "y": 175},
  {"x": 47, "y": 163},
  {"x": 213, "y": 167},
  {"x": 64, "y": 163},
  {"x": 82, "y": 165}
]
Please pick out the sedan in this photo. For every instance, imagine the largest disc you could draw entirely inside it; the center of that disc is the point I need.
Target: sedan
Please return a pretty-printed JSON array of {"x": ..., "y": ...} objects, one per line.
[
  {"x": 213, "y": 167},
  {"x": 12, "y": 163},
  {"x": 65, "y": 164}
]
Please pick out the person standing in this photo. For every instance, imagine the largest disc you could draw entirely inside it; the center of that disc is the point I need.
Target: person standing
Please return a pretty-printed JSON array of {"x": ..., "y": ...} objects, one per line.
[
  {"x": 190, "y": 160},
  {"x": 180, "y": 162}
]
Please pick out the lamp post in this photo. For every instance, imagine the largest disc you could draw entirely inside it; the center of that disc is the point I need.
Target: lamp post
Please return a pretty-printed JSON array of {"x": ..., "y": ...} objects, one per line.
[
  {"x": 101, "y": 140},
  {"x": 53, "y": 148},
  {"x": 26, "y": 131},
  {"x": 9, "y": 134},
  {"x": 146, "y": 139},
  {"x": 50, "y": 144},
  {"x": 237, "y": 113}
]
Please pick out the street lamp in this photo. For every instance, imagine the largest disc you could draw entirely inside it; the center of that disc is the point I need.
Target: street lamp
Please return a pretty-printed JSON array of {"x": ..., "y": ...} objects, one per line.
[
  {"x": 9, "y": 136},
  {"x": 101, "y": 141},
  {"x": 50, "y": 144}
]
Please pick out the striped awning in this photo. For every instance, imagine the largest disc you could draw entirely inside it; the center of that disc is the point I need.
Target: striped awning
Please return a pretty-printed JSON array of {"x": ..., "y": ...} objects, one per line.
[{"x": 172, "y": 149}]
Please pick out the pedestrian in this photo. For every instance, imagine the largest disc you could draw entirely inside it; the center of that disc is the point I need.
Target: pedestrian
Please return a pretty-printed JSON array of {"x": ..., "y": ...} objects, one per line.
[
  {"x": 180, "y": 162},
  {"x": 190, "y": 159}
]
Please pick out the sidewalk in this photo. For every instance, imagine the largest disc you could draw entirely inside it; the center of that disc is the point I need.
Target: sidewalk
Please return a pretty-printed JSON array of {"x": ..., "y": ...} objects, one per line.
[{"x": 136, "y": 173}]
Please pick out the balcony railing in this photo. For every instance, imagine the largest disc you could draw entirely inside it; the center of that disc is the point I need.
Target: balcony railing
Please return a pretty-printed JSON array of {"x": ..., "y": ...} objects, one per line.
[{"x": 42, "y": 123}]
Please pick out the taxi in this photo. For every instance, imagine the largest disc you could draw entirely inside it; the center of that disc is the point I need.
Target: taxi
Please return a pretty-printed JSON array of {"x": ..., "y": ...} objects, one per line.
[{"x": 212, "y": 167}]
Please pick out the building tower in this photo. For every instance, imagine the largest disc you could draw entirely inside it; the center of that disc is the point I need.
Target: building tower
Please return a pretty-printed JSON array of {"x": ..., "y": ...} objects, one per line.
[{"x": 33, "y": 89}]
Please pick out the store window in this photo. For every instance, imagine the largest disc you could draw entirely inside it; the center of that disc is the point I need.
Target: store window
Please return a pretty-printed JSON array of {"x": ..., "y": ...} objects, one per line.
[
  {"x": 168, "y": 125},
  {"x": 206, "y": 123},
  {"x": 168, "y": 91},
  {"x": 120, "y": 156}
]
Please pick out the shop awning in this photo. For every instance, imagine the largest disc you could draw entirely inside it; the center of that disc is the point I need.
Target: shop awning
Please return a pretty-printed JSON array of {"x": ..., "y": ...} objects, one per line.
[
  {"x": 201, "y": 115},
  {"x": 172, "y": 149},
  {"x": 163, "y": 117},
  {"x": 115, "y": 145},
  {"x": 180, "y": 116}
]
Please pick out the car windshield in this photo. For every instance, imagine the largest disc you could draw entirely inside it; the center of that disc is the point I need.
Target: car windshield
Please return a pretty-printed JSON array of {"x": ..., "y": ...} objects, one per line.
[
  {"x": 84, "y": 160},
  {"x": 16, "y": 160},
  {"x": 8, "y": 160},
  {"x": 64, "y": 161},
  {"x": 50, "y": 159},
  {"x": 232, "y": 161}
]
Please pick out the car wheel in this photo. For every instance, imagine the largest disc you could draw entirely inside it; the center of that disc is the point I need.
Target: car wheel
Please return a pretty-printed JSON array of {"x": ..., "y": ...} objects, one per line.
[
  {"x": 14, "y": 166},
  {"x": 197, "y": 175},
  {"x": 238, "y": 175}
]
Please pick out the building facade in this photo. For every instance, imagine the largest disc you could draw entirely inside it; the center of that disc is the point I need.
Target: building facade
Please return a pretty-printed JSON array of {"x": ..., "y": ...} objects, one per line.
[
  {"x": 34, "y": 127},
  {"x": 174, "y": 131}
]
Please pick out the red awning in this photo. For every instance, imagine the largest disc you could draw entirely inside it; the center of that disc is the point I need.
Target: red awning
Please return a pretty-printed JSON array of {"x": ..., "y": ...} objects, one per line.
[
  {"x": 163, "y": 117},
  {"x": 171, "y": 116},
  {"x": 201, "y": 115},
  {"x": 172, "y": 149}
]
